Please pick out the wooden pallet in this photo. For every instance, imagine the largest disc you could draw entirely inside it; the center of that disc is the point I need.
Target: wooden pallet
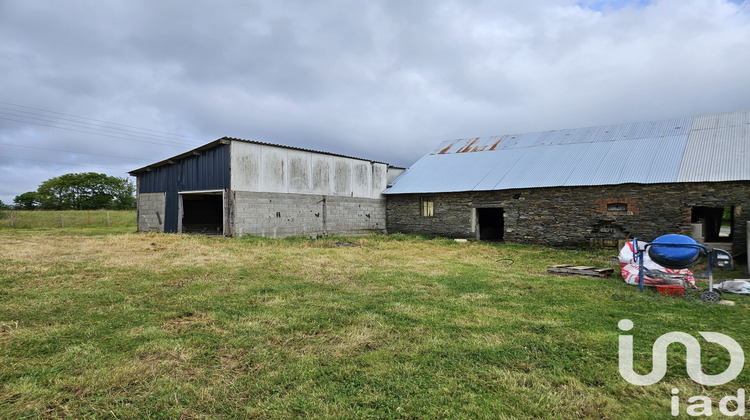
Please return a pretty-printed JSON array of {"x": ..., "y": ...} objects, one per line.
[{"x": 579, "y": 270}]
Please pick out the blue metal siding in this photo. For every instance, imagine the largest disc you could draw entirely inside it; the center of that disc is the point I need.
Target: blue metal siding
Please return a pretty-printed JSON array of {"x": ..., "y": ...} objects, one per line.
[{"x": 209, "y": 171}]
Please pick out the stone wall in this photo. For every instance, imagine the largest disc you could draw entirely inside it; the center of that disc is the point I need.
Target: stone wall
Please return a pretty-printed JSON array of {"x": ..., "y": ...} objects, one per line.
[
  {"x": 574, "y": 215},
  {"x": 280, "y": 215},
  {"x": 151, "y": 211}
]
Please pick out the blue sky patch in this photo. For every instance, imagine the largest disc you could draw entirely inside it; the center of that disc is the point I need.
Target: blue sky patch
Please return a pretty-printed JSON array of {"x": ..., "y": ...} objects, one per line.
[{"x": 602, "y": 5}]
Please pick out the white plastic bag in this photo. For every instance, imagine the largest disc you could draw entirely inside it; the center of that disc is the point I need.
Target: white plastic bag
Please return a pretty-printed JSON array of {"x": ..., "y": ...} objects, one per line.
[
  {"x": 629, "y": 269},
  {"x": 735, "y": 286}
]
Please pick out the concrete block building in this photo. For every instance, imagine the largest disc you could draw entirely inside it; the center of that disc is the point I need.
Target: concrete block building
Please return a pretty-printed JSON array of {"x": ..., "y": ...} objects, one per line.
[
  {"x": 239, "y": 187},
  {"x": 584, "y": 186}
]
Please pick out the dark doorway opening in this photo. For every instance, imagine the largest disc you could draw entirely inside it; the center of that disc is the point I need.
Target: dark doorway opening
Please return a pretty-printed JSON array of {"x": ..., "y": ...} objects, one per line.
[
  {"x": 491, "y": 224},
  {"x": 717, "y": 222},
  {"x": 203, "y": 213}
]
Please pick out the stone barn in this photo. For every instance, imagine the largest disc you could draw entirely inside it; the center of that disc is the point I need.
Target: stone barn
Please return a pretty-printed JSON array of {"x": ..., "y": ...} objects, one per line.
[
  {"x": 239, "y": 187},
  {"x": 584, "y": 186}
]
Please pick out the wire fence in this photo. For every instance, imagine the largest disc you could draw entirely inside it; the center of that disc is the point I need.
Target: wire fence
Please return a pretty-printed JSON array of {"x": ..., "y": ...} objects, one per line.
[{"x": 48, "y": 219}]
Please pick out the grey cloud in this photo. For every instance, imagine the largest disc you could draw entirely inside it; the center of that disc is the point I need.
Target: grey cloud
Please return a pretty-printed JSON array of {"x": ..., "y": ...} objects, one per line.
[{"x": 382, "y": 80}]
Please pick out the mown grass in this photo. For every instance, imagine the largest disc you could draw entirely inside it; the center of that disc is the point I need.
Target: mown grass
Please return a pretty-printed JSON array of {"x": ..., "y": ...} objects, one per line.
[
  {"x": 174, "y": 326},
  {"x": 70, "y": 221}
]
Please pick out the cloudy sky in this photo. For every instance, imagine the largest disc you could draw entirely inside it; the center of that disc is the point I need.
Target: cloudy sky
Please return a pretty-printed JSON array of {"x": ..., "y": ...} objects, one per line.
[{"x": 111, "y": 86}]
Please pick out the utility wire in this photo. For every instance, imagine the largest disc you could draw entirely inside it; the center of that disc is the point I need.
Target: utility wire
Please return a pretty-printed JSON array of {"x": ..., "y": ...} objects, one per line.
[
  {"x": 93, "y": 128},
  {"x": 75, "y": 152},
  {"x": 79, "y": 124},
  {"x": 99, "y": 134},
  {"x": 86, "y": 125},
  {"x": 62, "y": 163},
  {"x": 93, "y": 119}
]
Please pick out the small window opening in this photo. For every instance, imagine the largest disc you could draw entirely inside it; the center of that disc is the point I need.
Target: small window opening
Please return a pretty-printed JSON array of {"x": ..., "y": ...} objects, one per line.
[
  {"x": 617, "y": 207},
  {"x": 428, "y": 207}
]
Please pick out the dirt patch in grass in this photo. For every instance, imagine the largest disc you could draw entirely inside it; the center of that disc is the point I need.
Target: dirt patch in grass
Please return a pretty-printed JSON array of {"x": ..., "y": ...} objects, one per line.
[
  {"x": 7, "y": 329},
  {"x": 186, "y": 321}
]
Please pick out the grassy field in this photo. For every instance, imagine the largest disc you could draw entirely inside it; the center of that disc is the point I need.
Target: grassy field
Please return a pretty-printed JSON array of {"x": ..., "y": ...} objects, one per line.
[
  {"x": 175, "y": 326},
  {"x": 75, "y": 221}
]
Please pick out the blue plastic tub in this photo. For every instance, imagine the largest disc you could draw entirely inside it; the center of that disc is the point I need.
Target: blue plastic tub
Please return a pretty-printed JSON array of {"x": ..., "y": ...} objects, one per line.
[{"x": 674, "y": 251}]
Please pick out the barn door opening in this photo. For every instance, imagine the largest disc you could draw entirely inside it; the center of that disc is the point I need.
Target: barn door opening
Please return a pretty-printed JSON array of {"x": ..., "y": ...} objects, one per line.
[
  {"x": 717, "y": 222},
  {"x": 202, "y": 212},
  {"x": 490, "y": 224}
]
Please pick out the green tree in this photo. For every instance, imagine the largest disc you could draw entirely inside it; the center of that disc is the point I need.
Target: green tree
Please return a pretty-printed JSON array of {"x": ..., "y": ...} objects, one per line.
[
  {"x": 86, "y": 191},
  {"x": 3, "y": 208},
  {"x": 27, "y": 201}
]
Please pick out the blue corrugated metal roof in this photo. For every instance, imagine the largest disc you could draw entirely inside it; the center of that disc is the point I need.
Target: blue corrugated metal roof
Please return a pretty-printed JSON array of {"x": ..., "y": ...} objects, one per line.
[{"x": 712, "y": 147}]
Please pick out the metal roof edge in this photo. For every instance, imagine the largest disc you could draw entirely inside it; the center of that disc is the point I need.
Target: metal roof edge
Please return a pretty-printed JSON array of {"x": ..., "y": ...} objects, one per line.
[
  {"x": 227, "y": 140},
  {"x": 304, "y": 150},
  {"x": 386, "y": 192},
  {"x": 192, "y": 152}
]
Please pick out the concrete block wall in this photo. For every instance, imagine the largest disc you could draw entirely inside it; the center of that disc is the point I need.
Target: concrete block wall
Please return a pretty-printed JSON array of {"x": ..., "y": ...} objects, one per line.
[
  {"x": 575, "y": 215},
  {"x": 151, "y": 211},
  {"x": 279, "y": 215}
]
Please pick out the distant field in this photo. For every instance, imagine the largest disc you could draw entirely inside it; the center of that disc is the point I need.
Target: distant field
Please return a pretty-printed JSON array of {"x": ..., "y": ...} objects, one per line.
[
  {"x": 119, "y": 220},
  {"x": 175, "y": 326}
]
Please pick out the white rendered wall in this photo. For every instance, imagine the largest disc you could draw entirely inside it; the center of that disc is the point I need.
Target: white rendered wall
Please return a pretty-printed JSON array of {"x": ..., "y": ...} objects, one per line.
[{"x": 265, "y": 168}]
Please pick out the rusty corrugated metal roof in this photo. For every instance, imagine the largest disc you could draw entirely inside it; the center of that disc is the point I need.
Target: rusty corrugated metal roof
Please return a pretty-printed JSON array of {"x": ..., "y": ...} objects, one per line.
[{"x": 712, "y": 147}]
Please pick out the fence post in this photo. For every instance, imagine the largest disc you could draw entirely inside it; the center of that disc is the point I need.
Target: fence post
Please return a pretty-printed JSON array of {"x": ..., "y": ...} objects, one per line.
[
  {"x": 108, "y": 223},
  {"x": 12, "y": 221}
]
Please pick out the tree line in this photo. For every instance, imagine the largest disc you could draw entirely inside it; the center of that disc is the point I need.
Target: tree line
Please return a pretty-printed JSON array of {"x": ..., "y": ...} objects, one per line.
[{"x": 83, "y": 191}]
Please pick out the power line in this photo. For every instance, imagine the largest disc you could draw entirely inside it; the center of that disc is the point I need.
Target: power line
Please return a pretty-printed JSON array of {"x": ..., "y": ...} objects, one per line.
[
  {"x": 61, "y": 163},
  {"x": 80, "y": 124},
  {"x": 73, "y": 151},
  {"x": 85, "y": 125},
  {"x": 89, "y": 132},
  {"x": 93, "y": 119},
  {"x": 95, "y": 130}
]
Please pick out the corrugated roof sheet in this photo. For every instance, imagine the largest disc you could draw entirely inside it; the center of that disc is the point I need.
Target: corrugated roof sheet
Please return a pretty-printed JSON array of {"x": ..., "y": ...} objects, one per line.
[
  {"x": 226, "y": 140},
  {"x": 718, "y": 148},
  {"x": 713, "y": 147}
]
